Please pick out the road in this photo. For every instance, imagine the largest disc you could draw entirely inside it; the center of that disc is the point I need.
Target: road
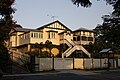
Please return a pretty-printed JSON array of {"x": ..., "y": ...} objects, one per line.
[{"x": 67, "y": 75}]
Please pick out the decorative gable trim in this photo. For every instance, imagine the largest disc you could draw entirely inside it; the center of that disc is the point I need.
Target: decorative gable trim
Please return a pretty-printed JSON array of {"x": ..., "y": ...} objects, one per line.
[{"x": 55, "y": 22}]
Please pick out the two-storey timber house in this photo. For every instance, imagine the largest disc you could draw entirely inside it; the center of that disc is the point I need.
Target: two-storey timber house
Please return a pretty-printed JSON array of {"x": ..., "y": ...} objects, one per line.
[{"x": 22, "y": 39}]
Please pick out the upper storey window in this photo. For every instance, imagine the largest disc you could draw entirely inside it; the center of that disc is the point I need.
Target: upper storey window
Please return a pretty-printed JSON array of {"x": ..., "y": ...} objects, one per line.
[
  {"x": 90, "y": 34},
  {"x": 51, "y": 34},
  {"x": 36, "y": 35},
  {"x": 48, "y": 34},
  {"x": 90, "y": 38},
  {"x": 84, "y": 38},
  {"x": 32, "y": 35},
  {"x": 83, "y": 33}
]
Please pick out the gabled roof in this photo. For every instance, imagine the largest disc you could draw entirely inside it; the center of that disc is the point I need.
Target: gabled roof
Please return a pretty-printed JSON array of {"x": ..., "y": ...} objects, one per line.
[
  {"x": 44, "y": 26},
  {"x": 83, "y": 29}
]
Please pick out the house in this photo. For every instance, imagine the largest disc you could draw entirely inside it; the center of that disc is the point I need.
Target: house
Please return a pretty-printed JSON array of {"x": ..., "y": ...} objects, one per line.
[
  {"x": 22, "y": 39},
  {"x": 83, "y": 36}
]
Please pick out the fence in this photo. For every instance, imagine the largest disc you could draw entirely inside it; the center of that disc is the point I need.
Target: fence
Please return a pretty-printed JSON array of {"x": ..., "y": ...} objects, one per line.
[{"x": 73, "y": 63}]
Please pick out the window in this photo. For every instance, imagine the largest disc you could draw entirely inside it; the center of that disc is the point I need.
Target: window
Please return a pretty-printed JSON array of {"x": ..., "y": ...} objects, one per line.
[
  {"x": 40, "y": 35},
  {"x": 28, "y": 36},
  {"x": 78, "y": 38},
  {"x": 32, "y": 35},
  {"x": 83, "y": 33},
  {"x": 48, "y": 34},
  {"x": 74, "y": 38},
  {"x": 53, "y": 35},
  {"x": 90, "y": 34},
  {"x": 84, "y": 38},
  {"x": 35, "y": 35},
  {"x": 79, "y": 33},
  {"x": 90, "y": 38}
]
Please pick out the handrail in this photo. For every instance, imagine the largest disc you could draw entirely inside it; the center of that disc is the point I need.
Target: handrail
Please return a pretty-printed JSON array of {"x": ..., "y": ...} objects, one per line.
[
  {"x": 66, "y": 51},
  {"x": 72, "y": 47},
  {"x": 70, "y": 51},
  {"x": 68, "y": 42}
]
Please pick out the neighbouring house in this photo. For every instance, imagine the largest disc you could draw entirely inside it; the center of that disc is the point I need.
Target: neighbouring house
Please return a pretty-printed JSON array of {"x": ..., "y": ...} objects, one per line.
[{"x": 22, "y": 39}]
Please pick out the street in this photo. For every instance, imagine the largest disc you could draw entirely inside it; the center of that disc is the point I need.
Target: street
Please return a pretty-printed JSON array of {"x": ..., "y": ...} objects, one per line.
[{"x": 67, "y": 75}]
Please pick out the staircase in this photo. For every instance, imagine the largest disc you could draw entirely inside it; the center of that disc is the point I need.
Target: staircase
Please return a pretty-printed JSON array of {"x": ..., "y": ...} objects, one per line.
[
  {"x": 73, "y": 47},
  {"x": 71, "y": 51}
]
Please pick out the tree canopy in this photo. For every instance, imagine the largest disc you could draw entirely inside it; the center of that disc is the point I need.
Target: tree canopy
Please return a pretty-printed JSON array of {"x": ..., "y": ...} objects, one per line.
[
  {"x": 6, "y": 23},
  {"x": 88, "y": 3},
  {"x": 108, "y": 34}
]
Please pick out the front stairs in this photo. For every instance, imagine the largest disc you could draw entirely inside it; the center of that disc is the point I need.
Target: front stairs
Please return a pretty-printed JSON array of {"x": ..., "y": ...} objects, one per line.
[{"x": 72, "y": 47}]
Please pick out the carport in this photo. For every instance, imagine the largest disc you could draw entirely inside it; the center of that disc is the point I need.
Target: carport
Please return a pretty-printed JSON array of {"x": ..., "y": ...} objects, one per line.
[{"x": 109, "y": 54}]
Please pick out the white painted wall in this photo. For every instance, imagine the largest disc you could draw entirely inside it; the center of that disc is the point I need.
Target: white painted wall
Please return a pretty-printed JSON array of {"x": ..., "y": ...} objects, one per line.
[{"x": 67, "y": 63}]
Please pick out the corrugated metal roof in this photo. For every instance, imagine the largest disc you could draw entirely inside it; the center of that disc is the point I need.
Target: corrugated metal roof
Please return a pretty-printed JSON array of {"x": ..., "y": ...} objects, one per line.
[
  {"x": 24, "y": 29},
  {"x": 83, "y": 29},
  {"x": 105, "y": 50}
]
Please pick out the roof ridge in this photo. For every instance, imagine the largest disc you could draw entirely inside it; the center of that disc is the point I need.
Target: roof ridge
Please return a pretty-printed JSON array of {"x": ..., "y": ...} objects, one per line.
[{"x": 83, "y": 29}]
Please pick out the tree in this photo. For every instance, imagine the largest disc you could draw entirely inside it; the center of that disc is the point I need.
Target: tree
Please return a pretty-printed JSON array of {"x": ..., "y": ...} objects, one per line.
[
  {"x": 6, "y": 24},
  {"x": 39, "y": 47},
  {"x": 49, "y": 45},
  {"x": 117, "y": 8},
  {"x": 84, "y": 3},
  {"x": 4, "y": 57},
  {"x": 88, "y": 3},
  {"x": 108, "y": 34}
]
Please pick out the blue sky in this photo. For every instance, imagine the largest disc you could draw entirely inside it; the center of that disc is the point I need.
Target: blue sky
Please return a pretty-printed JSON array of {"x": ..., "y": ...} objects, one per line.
[{"x": 35, "y": 13}]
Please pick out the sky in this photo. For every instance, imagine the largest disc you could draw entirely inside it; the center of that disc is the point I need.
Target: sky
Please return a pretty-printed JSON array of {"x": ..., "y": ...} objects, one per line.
[{"x": 35, "y": 13}]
